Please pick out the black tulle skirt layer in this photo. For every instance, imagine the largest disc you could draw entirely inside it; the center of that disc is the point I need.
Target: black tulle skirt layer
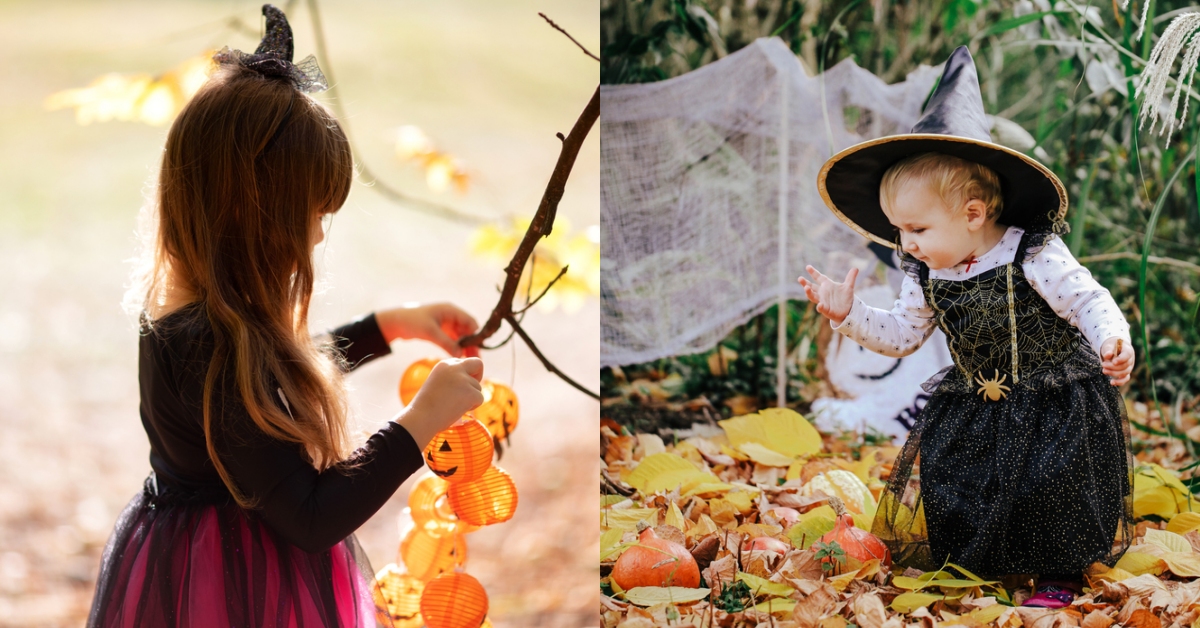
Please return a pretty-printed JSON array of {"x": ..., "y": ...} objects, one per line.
[
  {"x": 197, "y": 564},
  {"x": 1038, "y": 482}
]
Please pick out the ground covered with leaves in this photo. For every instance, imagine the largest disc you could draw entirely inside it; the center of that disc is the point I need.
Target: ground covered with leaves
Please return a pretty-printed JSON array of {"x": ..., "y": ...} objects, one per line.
[{"x": 750, "y": 500}]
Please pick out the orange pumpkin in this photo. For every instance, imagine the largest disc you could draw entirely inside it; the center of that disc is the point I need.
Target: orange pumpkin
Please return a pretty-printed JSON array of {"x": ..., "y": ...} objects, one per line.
[
  {"x": 414, "y": 376},
  {"x": 655, "y": 562},
  {"x": 461, "y": 452},
  {"x": 430, "y": 508},
  {"x": 454, "y": 600},
  {"x": 427, "y": 556},
  {"x": 856, "y": 542},
  {"x": 401, "y": 596},
  {"x": 499, "y": 409},
  {"x": 490, "y": 499}
]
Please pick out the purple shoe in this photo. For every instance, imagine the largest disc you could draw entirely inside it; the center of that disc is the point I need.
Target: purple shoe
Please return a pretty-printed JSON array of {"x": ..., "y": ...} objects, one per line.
[{"x": 1053, "y": 594}]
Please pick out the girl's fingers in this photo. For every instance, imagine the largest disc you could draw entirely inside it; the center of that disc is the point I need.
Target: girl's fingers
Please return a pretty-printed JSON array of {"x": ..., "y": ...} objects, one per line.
[
  {"x": 816, "y": 274},
  {"x": 851, "y": 276}
]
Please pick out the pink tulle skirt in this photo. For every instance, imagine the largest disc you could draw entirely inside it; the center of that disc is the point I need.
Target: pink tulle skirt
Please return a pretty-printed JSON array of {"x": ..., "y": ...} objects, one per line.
[{"x": 196, "y": 564}]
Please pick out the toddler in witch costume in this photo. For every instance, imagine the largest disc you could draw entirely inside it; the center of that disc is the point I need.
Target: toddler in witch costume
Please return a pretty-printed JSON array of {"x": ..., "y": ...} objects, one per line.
[
  {"x": 247, "y": 518},
  {"x": 1023, "y": 449}
]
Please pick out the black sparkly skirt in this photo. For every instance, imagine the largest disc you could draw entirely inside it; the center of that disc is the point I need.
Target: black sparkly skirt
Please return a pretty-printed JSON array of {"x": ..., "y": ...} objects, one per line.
[
  {"x": 199, "y": 560},
  {"x": 1037, "y": 482}
]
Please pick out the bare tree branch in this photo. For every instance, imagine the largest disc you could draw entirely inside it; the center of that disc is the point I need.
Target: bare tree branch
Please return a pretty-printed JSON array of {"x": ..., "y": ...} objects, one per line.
[
  {"x": 564, "y": 32},
  {"x": 512, "y": 321}
]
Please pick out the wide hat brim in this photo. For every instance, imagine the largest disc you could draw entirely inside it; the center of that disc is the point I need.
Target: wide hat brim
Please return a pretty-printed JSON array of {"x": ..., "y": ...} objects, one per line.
[{"x": 849, "y": 182}]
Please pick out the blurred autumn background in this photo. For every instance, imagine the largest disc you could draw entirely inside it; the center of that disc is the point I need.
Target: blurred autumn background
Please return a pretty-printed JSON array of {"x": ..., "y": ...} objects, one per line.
[{"x": 452, "y": 105}]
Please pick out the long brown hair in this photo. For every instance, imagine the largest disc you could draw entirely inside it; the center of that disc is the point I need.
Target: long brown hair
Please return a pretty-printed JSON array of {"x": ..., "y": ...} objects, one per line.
[{"x": 247, "y": 164}]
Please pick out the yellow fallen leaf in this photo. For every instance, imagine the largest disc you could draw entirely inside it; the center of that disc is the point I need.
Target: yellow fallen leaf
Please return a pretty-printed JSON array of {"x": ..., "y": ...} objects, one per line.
[
  {"x": 723, "y": 512},
  {"x": 1184, "y": 565},
  {"x": 763, "y": 455},
  {"x": 863, "y": 522},
  {"x": 867, "y": 570},
  {"x": 627, "y": 519},
  {"x": 1155, "y": 500},
  {"x": 665, "y": 471},
  {"x": 703, "y": 527},
  {"x": 1116, "y": 574},
  {"x": 911, "y": 601},
  {"x": 762, "y": 586},
  {"x": 609, "y": 500},
  {"x": 674, "y": 517},
  {"x": 1168, "y": 541},
  {"x": 988, "y": 614},
  {"x": 811, "y": 526},
  {"x": 862, "y": 468},
  {"x": 1138, "y": 563},
  {"x": 734, "y": 453},
  {"x": 707, "y": 489},
  {"x": 609, "y": 539},
  {"x": 779, "y": 429},
  {"x": 650, "y": 596},
  {"x": 776, "y": 606}
]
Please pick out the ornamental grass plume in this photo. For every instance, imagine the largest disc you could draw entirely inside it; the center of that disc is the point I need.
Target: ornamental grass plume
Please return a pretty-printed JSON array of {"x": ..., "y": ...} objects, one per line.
[{"x": 1152, "y": 84}]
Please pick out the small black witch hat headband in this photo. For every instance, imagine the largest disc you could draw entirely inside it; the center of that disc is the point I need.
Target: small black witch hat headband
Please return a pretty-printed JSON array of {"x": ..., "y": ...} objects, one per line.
[{"x": 274, "y": 56}]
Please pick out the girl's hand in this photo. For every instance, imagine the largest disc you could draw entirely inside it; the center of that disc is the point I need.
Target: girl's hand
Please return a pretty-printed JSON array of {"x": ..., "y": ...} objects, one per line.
[
  {"x": 440, "y": 323},
  {"x": 1117, "y": 364},
  {"x": 832, "y": 299},
  {"x": 452, "y": 389}
]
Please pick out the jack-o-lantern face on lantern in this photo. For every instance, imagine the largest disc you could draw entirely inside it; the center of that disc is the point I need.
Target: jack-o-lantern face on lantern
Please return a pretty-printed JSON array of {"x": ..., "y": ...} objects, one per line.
[
  {"x": 461, "y": 452},
  {"x": 454, "y": 600},
  {"x": 499, "y": 409},
  {"x": 414, "y": 376},
  {"x": 427, "y": 556},
  {"x": 400, "y": 594},
  {"x": 430, "y": 508}
]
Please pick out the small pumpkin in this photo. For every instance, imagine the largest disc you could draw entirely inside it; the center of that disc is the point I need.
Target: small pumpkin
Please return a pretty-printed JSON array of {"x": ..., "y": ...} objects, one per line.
[
  {"x": 454, "y": 600},
  {"x": 414, "y": 376},
  {"x": 427, "y": 556},
  {"x": 655, "y": 562},
  {"x": 461, "y": 452},
  {"x": 430, "y": 509},
  {"x": 856, "y": 542},
  {"x": 401, "y": 595}
]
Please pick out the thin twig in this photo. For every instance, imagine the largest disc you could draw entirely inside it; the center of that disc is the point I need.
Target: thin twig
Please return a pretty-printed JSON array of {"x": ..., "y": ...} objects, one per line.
[
  {"x": 423, "y": 206},
  {"x": 542, "y": 223},
  {"x": 512, "y": 321},
  {"x": 510, "y": 335},
  {"x": 560, "y": 29},
  {"x": 532, "y": 303}
]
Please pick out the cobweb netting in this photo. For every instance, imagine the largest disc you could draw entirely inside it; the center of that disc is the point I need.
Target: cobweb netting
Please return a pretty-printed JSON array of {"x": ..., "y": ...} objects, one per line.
[{"x": 691, "y": 216}]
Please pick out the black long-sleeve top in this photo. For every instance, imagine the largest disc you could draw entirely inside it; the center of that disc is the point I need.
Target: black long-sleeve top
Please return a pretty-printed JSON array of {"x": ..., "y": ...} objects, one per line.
[{"x": 311, "y": 510}]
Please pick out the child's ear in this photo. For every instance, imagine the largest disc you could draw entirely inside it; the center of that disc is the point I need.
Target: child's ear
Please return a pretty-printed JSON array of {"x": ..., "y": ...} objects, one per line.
[{"x": 976, "y": 214}]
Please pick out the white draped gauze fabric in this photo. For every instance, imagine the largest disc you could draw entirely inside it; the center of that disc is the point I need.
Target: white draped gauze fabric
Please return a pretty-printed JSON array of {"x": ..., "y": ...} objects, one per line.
[{"x": 692, "y": 196}]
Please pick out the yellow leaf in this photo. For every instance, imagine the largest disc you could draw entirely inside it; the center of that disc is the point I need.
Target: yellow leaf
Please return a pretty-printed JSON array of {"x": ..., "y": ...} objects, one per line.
[
  {"x": 811, "y": 526},
  {"x": 706, "y": 489},
  {"x": 734, "y": 453},
  {"x": 794, "y": 470},
  {"x": 904, "y": 582},
  {"x": 650, "y": 596},
  {"x": 723, "y": 512},
  {"x": 665, "y": 471},
  {"x": 609, "y": 539},
  {"x": 1116, "y": 574},
  {"x": 762, "y": 455},
  {"x": 762, "y": 586},
  {"x": 987, "y": 614},
  {"x": 741, "y": 500},
  {"x": 779, "y": 429},
  {"x": 1138, "y": 563},
  {"x": 674, "y": 517},
  {"x": 863, "y": 522},
  {"x": 703, "y": 527},
  {"x": 910, "y": 601},
  {"x": 1157, "y": 500},
  {"x": 627, "y": 519},
  {"x": 609, "y": 500},
  {"x": 775, "y": 606},
  {"x": 1168, "y": 541},
  {"x": 862, "y": 468},
  {"x": 1183, "y": 565}
]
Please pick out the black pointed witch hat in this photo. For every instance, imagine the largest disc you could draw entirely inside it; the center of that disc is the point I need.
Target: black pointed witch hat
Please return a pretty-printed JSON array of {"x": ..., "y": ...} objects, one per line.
[{"x": 952, "y": 123}]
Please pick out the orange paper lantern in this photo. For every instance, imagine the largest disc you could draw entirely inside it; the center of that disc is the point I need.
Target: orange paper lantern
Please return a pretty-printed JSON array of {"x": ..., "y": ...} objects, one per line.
[
  {"x": 426, "y": 556},
  {"x": 401, "y": 596},
  {"x": 430, "y": 508},
  {"x": 490, "y": 499},
  {"x": 499, "y": 409},
  {"x": 413, "y": 377},
  {"x": 461, "y": 452},
  {"x": 454, "y": 600}
]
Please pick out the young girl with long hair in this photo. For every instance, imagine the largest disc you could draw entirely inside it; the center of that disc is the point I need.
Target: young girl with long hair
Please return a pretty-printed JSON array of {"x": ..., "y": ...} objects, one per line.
[{"x": 248, "y": 514}]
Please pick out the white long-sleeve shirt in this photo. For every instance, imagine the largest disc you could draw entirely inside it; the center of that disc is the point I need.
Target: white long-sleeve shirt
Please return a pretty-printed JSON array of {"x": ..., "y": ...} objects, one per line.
[{"x": 1054, "y": 273}]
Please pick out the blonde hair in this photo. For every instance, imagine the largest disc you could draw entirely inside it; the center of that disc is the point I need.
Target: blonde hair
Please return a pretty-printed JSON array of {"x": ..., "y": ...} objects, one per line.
[
  {"x": 955, "y": 180},
  {"x": 246, "y": 165}
]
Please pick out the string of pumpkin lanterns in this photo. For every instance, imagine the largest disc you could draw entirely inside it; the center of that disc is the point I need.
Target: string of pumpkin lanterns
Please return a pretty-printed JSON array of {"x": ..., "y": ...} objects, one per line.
[{"x": 463, "y": 491}]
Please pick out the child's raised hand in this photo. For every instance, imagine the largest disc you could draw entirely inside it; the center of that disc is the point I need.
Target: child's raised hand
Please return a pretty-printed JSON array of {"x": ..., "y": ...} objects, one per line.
[
  {"x": 832, "y": 299},
  {"x": 452, "y": 389},
  {"x": 1117, "y": 358},
  {"x": 440, "y": 323}
]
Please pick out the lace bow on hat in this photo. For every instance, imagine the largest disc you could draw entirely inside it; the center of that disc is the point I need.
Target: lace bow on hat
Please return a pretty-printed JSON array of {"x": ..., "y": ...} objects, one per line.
[{"x": 273, "y": 57}]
